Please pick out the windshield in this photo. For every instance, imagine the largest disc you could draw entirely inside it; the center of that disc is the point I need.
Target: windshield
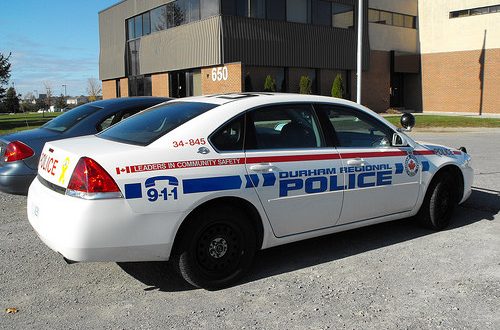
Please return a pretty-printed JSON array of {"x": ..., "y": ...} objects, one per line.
[
  {"x": 149, "y": 125},
  {"x": 69, "y": 119}
]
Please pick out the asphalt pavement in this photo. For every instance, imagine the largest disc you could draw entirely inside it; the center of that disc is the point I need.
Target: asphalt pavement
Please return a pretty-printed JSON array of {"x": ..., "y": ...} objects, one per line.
[{"x": 392, "y": 275}]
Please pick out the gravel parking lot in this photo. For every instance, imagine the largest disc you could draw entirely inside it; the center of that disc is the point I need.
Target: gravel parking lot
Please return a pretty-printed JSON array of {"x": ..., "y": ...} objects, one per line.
[{"x": 393, "y": 275}]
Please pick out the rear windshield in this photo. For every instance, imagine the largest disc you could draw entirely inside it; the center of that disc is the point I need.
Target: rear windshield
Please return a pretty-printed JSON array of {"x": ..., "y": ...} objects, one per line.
[
  {"x": 149, "y": 125},
  {"x": 69, "y": 119}
]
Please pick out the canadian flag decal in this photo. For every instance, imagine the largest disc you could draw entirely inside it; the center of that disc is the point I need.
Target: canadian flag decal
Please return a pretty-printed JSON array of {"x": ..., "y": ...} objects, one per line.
[{"x": 125, "y": 169}]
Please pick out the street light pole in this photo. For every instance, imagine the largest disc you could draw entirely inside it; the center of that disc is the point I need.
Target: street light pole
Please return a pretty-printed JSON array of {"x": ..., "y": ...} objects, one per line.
[
  {"x": 64, "y": 85},
  {"x": 359, "y": 51}
]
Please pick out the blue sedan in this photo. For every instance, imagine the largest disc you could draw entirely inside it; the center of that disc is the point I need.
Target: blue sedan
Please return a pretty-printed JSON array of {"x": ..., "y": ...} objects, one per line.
[{"x": 20, "y": 152}]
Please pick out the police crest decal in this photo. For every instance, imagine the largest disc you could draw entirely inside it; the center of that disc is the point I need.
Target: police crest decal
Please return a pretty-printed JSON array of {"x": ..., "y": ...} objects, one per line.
[{"x": 411, "y": 165}]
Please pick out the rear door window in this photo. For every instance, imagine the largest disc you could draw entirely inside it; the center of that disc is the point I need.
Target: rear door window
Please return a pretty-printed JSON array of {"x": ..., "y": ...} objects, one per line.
[
  {"x": 291, "y": 126},
  {"x": 151, "y": 124},
  {"x": 69, "y": 119}
]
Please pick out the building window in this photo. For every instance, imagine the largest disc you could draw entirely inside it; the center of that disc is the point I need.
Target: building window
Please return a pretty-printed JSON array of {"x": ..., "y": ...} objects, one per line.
[
  {"x": 258, "y": 8},
  {"x": 385, "y": 18},
  {"x": 138, "y": 26},
  {"x": 173, "y": 14},
  {"x": 390, "y": 18},
  {"x": 117, "y": 88},
  {"x": 410, "y": 22},
  {"x": 146, "y": 24},
  {"x": 191, "y": 10},
  {"x": 342, "y": 16},
  {"x": 209, "y": 8},
  {"x": 133, "y": 47},
  {"x": 140, "y": 86},
  {"x": 276, "y": 10},
  {"x": 234, "y": 7},
  {"x": 475, "y": 11},
  {"x": 255, "y": 78},
  {"x": 321, "y": 12},
  {"x": 159, "y": 19},
  {"x": 130, "y": 29},
  {"x": 298, "y": 11}
]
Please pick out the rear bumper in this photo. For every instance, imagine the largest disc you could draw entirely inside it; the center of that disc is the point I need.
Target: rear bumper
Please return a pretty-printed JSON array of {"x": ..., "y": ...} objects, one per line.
[
  {"x": 16, "y": 177},
  {"x": 15, "y": 184},
  {"x": 99, "y": 230}
]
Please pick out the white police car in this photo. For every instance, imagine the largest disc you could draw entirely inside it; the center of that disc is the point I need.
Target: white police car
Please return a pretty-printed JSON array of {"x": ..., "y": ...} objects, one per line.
[{"x": 206, "y": 181}]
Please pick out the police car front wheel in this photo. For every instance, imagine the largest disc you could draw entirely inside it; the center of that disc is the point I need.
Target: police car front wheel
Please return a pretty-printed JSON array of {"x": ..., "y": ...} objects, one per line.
[
  {"x": 217, "y": 249},
  {"x": 439, "y": 203}
]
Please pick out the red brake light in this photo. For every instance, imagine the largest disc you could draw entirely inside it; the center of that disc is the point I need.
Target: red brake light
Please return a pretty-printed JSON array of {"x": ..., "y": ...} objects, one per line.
[
  {"x": 17, "y": 151},
  {"x": 90, "y": 178}
]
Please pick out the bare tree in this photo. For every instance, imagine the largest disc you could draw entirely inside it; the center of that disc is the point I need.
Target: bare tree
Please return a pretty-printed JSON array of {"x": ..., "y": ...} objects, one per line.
[
  {"x": 48, "y": 91},
  {"x": 94, "y": 89},
  {"x": 28, "y": 96}
]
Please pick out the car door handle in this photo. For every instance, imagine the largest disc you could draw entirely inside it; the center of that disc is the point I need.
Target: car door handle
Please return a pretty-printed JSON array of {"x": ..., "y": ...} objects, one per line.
[
  {"x": 356, "y": 162},
  {"x": 263, "y": 167}
]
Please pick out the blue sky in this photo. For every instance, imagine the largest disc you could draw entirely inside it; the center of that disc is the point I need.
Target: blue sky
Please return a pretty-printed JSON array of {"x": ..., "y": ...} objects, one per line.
[{"x": 56, "y": 41}]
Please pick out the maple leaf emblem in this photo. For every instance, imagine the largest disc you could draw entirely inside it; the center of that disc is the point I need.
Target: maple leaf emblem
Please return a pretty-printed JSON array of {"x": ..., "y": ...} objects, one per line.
[{"x": 411, "y": 165}]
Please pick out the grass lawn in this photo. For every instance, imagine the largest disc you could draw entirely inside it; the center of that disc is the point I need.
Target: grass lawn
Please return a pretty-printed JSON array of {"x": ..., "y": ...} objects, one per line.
[
  {"x": 23, "y": 121},
  {"x": 428, "y": 121}
]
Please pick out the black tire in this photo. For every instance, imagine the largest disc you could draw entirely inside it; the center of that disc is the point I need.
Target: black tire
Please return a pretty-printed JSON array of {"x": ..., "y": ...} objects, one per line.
[
  {"x": 216, "y": 249},
  {"x": 439, "y": 203}
]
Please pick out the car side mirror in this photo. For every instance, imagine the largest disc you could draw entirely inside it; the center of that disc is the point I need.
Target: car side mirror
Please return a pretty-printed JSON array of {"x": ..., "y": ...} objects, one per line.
[
  {"x": 407, "y": 121},
  {"x": 398, "y": 140}
]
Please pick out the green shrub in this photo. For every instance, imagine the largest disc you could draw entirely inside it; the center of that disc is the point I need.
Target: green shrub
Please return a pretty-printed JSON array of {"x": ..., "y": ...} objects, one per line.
[
  {"x": 269, "y": 84},
  {"x": 338, "y": 87},
  {"x": 305, "y": 85}
]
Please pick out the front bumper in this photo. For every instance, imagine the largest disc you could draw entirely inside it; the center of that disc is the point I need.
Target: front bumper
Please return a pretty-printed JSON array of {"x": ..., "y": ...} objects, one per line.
[
  {"x": 99, "y": 230},
  {"x": 468, "y": 174}
]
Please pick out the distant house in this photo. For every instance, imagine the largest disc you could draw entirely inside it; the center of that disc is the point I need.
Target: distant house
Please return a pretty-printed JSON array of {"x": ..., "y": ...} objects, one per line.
[{"x": 76, "y": 100}]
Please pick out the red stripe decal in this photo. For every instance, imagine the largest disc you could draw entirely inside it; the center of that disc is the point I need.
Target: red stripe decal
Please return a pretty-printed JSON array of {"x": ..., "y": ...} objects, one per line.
[
  {"x": 457, "y": 152},
  {"x": 295, "y": 158},
  {"x": 263, "y": 159},
  {"x": 424, "y": 152}
]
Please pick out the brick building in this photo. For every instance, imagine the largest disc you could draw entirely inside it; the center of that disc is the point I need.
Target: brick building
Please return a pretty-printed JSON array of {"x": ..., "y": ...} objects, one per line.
[
  {"x": 460, "y": 52},
  {"x": 192, "y": 47}
]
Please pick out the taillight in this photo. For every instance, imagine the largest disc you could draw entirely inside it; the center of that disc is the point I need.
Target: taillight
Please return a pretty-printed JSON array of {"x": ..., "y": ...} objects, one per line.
[
  {"x": 90, "y": 181},
  {"x": 17, "y": 151}
]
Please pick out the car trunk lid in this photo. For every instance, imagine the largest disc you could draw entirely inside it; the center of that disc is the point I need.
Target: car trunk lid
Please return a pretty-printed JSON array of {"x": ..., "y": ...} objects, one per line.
[{"x": 59, "y": 158}]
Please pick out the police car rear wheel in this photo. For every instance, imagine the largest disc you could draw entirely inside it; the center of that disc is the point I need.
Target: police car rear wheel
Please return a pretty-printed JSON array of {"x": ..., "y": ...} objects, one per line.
[
  {"x": 439, "y": 203},
  {"x": 219, "y": 249}
]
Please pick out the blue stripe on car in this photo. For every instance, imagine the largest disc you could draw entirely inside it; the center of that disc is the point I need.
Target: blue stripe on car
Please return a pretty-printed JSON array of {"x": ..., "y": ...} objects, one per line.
[
  {"x": 425, "y": 166},
  {"x": 191, "y": 186},
  {"x": 133, "y": 190}
]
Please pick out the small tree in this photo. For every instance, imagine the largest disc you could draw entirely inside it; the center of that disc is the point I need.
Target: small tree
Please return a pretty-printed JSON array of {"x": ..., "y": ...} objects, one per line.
[
  {"x": 338, "y": 87},
  {"x": 4, "y": 73},
  {"x": 27, "y": 106},
  {"x": 93, "y": 89},
  {"x": 305, "y": 85},
  {"x": 40, "y": 103},
  {"x": 48, "y": 92},
  {"x": 61, "y": 102},
  {"x": 11, "y": 101},
  {"x": 270, "y": 84}
]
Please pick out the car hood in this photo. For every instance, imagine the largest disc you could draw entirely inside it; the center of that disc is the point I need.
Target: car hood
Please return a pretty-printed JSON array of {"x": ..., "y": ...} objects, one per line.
[{"x": 434, "y": 146}]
